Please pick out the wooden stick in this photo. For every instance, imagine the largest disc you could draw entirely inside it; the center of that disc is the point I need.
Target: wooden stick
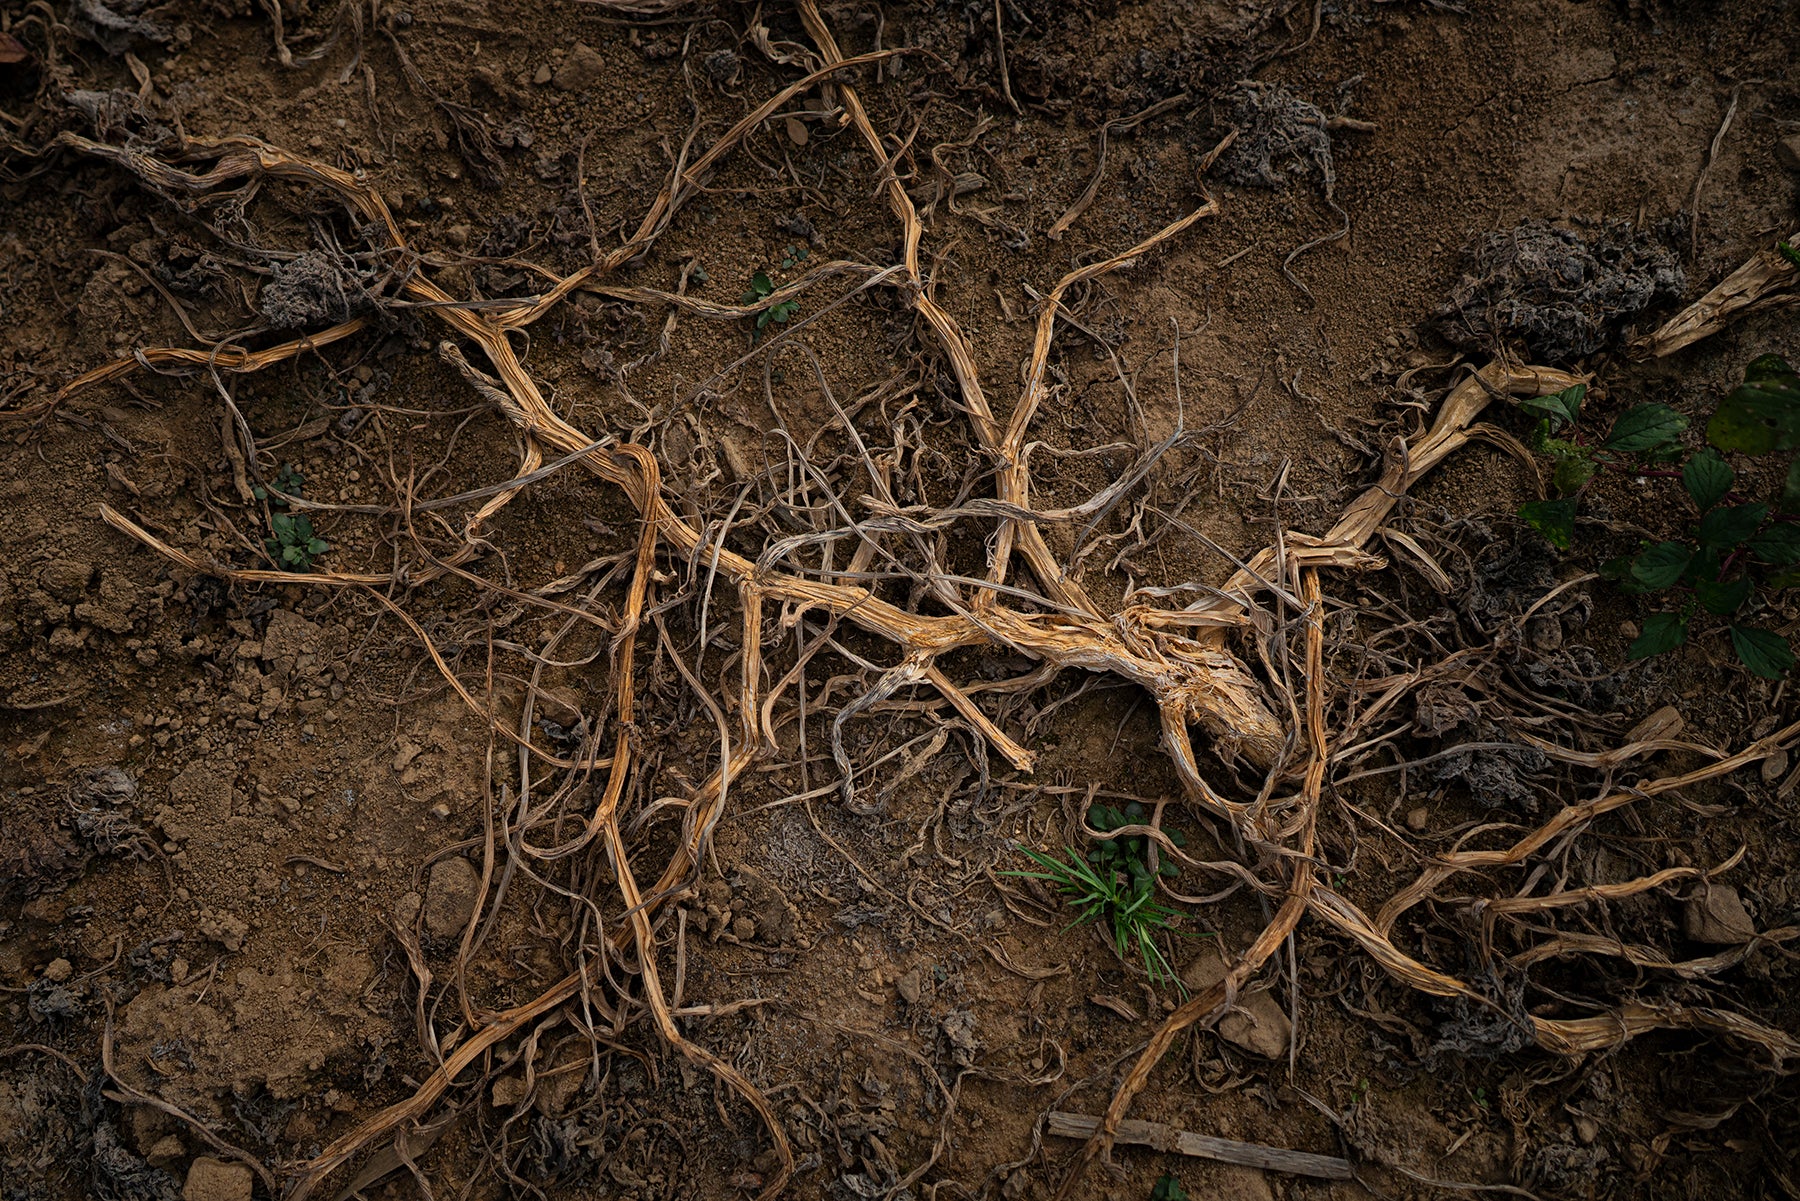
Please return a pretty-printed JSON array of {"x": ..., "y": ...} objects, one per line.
[{"x": 1204, "y": 1146}]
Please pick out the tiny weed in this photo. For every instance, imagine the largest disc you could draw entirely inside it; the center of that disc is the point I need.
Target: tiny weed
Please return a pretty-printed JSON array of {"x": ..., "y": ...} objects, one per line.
[
  {"x": 1115, "y": 884},
  {"x": 761, "y": 287},
  {"x": 1736, "y": 550},
  {"x": 292, "y": 543},
  {"x": 1168, "y": 1188}
]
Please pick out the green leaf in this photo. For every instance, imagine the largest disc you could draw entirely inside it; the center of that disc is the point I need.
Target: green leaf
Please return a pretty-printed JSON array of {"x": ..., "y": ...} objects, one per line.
[
  {"x": 1779, "y": 544},
  {"x": 1168, "y": 1189},
  {"x": 1572, "y": 472},
  {"x": 1763, "y": 413},
  {"x": 1788, "y": 251},
  {"x": 1661, "y": 565},
  {"x": 760, "y": 282},
  {"x": 1645, "y": 428},
  {"x": 1564, "y": 406},
  {"x": 1729, "y": 527},
  {"x": 1723, "y": 599},
  {"x": 801, "y": 253},
  {"x": 1781, "y": 579},
  {"x": 1663, "y": 632},
  {"x": 1554, "y": 519},
  {"x": 1707, "y": 478},
  {"x": 1764, "y": 652},
  {"x": 1790, "y": 490}
]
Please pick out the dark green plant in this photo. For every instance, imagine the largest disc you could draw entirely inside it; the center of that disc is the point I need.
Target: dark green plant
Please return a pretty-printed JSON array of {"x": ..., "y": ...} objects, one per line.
[
  {"x": 1735, "y": 551},
  {"x": 762, "y": 287},
  {"x": 1115, "y": 884},
  {"x": 292, "y": 542},
  {"x": 1168, "y": 1188}
]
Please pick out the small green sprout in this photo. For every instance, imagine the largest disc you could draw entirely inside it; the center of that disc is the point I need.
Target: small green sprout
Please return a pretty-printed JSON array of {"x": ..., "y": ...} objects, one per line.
[
  {"x": 292, "y": 543},
  {"x": 762, "y": 287},
  {"x": 1115, "y": 884},
  {"x": 1168, "y": 1188}
]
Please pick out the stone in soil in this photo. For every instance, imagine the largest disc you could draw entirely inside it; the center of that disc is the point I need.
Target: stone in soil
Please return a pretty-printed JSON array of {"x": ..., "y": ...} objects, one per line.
[
  {"x": 1256, "y": 1023},
  {"x": 581, "y": 70},
  {"x": 450, "y": 897},
  {"x": 210, "y": 1179},
  {"x": 1715, "y": 915}
]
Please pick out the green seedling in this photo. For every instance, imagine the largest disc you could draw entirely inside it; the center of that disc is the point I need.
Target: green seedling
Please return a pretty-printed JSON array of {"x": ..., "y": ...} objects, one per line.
[
  {"x": 1114, "y": 884},
  {"x": 762, "y": 287},
  {"x": 1168, "y": 1188},
  {"x": 1735, "y": 551},
  {"x": 292, "y": 542}
]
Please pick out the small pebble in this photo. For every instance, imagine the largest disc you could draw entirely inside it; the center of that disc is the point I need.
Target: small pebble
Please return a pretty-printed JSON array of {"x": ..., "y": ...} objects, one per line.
[
  {"x": 1416, "y": 819},
  {"x": 59, "y": 971}
]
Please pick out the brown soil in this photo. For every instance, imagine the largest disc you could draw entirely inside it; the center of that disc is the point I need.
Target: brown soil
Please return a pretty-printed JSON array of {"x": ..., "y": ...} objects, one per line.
[{"x": 263, "y": 922}]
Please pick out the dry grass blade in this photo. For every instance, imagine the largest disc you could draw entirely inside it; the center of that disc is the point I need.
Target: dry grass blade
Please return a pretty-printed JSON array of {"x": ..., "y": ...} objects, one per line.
[{"x": 1763, "y": 282}]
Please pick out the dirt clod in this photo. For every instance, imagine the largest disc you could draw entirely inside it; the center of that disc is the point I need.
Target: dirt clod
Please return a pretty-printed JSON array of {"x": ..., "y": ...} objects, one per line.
[
  {"x": 1281, "y": 137},
  {"x": 581, "y": 70},
  {"x": 1716, "y": 915},
  {"x": 322, "y": 286},
  {"x": 1787, "y": 152},
  {"x": 210, "y": 1179},
  {"x": 450, "y": 897},
  {"x": 1561, "y": 293},
  {"x": 1256, "y": 1022}
]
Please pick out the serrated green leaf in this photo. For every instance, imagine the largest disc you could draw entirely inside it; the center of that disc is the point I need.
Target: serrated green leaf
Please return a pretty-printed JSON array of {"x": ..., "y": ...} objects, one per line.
[
  {"x": 1663, "y": 632},
  {"x": 1564, "y": 406},
  {"x": 1554, "y": 519},
  {"x": 1724, "y": 598},
  {"x": 1660, "y": 566},
  {"x": 1763, "y": 413},
  {"x": 1764, "y": 652},
  {"x": 1645, "y": 428},
  {"x": 1790, "y": 490},
  {"x": 1571, "y": 473},
  {"x": 1779, "y": 545},
  {"x": 1729, "y": 527},
  {"x": 1707, "y": 478}
]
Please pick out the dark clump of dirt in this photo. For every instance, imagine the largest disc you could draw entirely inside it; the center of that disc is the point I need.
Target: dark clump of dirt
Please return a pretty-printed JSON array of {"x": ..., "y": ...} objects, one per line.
[
  {"x": 318, "y": 287},
  {"x": 1560, "y": 293},
  {"x": 1280, "y": 137}
]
